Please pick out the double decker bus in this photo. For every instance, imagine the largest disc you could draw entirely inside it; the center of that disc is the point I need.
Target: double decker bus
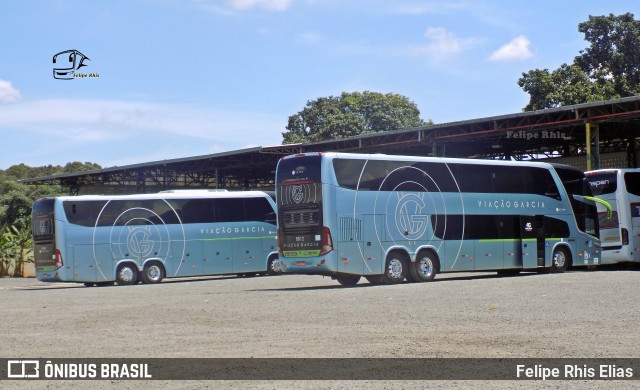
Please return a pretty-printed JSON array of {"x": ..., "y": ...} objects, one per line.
[
  {"x": 126, "y": 239},
  {"x": 390, "y": 218},
  {"x": 620, "y": 228}
]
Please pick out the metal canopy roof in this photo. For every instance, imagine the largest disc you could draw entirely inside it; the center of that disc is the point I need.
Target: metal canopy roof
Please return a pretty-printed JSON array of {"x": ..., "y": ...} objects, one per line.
[{"x": 558, "y": 132}]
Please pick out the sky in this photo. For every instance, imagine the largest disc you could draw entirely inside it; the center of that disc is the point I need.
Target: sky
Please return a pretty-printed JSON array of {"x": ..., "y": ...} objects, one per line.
[{"x": 183, "y": 78}]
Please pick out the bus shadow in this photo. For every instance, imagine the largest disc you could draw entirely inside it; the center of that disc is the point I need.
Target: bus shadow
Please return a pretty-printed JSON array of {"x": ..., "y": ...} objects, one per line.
[
  {"x": 67, "y": 286},
  {"x": 369, "y": 285}
]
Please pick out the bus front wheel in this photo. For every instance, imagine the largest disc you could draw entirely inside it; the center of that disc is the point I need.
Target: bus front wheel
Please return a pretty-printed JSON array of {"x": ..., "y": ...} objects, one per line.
[
  {"x": 560, "y": 260},
  {"x": 425, "y": 268},
  {"x": 395, "y": 269},
  {"x": 153, "y": 273},
  {"x": 127, "y": 274}
]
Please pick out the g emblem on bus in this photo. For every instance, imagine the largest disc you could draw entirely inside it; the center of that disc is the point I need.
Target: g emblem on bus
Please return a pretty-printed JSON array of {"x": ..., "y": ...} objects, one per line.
[
  {"x": 139, "y": 241},
  {"x": 42, "y": 227},
  {"x": 297, "y": 193},
  {"x": 410, "y": 220}
]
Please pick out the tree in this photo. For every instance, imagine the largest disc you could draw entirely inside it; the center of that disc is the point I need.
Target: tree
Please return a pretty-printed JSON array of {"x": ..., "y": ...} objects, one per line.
[
  {"x": 351, "y": 114},
  {"x": 77, "y": 166},
  {"x": 609, "y": 68}
]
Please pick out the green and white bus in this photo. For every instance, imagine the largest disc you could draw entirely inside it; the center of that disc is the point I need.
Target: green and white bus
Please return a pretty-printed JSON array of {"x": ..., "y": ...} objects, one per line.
[
  {"x": 620, "y": 228},
  {"x": 96, "y": 239},
  {"x": 388, "y": 218}
]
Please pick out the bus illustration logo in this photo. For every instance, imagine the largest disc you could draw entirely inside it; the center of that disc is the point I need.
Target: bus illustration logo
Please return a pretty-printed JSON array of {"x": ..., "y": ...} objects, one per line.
[
  {"x": 410, "y": 220},
  {"x": 68, "y": 62}
]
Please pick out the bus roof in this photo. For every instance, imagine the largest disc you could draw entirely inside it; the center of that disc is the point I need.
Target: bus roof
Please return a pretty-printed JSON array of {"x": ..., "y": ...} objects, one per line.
[
  {"x": 452, "y": 160},
  {"x": 195, "y": 194}
]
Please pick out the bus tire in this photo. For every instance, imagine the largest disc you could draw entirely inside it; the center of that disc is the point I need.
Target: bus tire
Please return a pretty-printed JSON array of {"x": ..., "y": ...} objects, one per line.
[
  {"x": 395, "y": 269},
  {"x": 348, "y": 280},
  {"x": 425, "y": 268},
  {"x": 274, "y": 267},
  {"x": 560, "y": 260},
  {"x": 127, "y": 274},
  {"x": 375, "y": 279},
  {"x": 153, "y": 272}
]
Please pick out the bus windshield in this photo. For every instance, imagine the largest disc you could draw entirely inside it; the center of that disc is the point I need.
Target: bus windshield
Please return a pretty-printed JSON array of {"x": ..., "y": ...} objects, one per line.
[{"x": 575, "y": 183}]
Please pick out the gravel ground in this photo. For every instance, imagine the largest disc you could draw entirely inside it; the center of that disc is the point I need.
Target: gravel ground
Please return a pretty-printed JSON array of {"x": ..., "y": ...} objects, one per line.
[{"x": 581, "y": 314}]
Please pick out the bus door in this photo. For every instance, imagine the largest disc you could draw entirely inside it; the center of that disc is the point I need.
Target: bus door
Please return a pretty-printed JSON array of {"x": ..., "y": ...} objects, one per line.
[{"x": 529, "y": 243}]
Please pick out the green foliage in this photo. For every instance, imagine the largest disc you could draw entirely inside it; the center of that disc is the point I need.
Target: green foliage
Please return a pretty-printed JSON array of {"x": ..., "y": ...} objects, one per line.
[
  {"x": 351, "y": 114},
  {"x": 77, "y": 166},
  {"x": 609, "y": 68},
  {"x": 16, "y": 200},
  {"x": 16, "y": 249}
]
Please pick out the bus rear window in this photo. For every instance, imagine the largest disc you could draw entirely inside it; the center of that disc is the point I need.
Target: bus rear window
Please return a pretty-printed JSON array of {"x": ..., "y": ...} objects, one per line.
[
  {"x": 602, "y": 183},
  {"x": 632, "y": 181},
  {"x": 303, "y": 169},
  {"x": 42, "y": 220}
]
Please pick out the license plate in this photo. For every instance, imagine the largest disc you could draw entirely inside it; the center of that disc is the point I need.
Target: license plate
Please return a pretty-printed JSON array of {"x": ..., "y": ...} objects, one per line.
[{"x": 301, "y": 263}]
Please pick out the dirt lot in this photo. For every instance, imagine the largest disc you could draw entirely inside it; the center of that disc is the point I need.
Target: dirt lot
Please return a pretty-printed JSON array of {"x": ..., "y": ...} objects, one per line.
[{"x": 582, "y": 314}]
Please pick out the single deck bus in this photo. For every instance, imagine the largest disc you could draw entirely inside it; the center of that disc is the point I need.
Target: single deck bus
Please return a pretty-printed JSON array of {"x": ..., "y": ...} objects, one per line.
[
  {"x": 394, "y": 217},
  {"x": 101, "y": 239},
  {"x": 620, "y": 229}
]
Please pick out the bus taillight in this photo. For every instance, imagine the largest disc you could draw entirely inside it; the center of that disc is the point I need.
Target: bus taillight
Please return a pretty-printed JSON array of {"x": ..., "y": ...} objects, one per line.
[
  {"x": 625, "y": 236},
  {"x": 58, "y": 258},
  {"x": 327, "y": 242},
  {"x": 279, "y": 241}
]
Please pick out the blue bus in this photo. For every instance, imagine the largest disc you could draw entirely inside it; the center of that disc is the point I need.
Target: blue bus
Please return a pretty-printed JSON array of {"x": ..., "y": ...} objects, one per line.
[
  {"x": 127, "y": 239},
  {"x": 390, "y": 218}
]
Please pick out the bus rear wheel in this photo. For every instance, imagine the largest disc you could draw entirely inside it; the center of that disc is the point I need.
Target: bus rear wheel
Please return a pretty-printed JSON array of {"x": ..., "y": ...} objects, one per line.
[
  {"x": 153, "y": 273},
  {"x": 425, "y": 268},
  {"x": 560, "y": 260},
  {"x": 274, "y": 266},
  {"x": 348, "y": 280},
  {"x": 127, "y": 274},
  {"x": 395, "y": 269}
]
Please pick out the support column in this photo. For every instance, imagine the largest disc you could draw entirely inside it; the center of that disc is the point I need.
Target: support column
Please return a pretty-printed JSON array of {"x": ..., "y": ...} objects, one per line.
[{"x": 592, "y": 135}]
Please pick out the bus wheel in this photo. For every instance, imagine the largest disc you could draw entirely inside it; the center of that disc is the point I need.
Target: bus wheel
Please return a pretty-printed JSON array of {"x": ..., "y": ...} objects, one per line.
[
  {"x": 274, "y": 266},
  {"x": 560, "y": 260},
  {"x": 348, "y": 280},
  {"x": 127, "y": 274},
  {"x": 425, "y": 268},
  {"x": 375, "y": 279},
  {"x": 153, "y": 273},
  {"x": 395, "y": 268}
]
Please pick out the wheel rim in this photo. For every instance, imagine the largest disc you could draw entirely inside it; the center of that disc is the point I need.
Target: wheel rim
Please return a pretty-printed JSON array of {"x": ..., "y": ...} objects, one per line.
[
  {"x": 395, "y": 268},
  {"x": 425, "y": 267},
  {"x": 154, "y": 272},
  {"x": 276, "y": 267},
  {"x": 126, "y": 274},
  {"x": 559, "y": 259}
]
